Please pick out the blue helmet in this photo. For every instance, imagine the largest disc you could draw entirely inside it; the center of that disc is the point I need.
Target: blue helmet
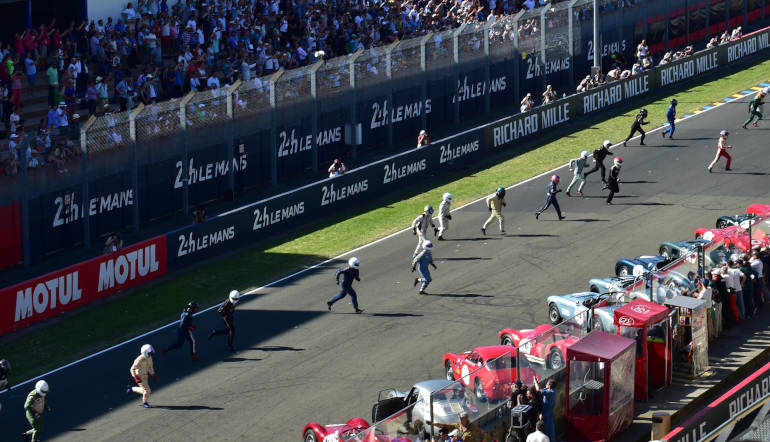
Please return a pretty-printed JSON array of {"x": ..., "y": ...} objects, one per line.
[{"x": 500, "y": 191}]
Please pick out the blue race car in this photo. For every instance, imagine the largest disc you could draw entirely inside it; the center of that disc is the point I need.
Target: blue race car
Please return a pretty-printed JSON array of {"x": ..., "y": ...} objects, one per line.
[
  {"x": 625, "y": 266},
  {"x": 675, "y": 250},
  {"x": 613, "y": 284},
  {"x": 562, "y": 307}
]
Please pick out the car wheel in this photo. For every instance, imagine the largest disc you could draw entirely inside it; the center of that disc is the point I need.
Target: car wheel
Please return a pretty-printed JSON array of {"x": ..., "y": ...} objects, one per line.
[
  {"x": 478, "y": 389},
  {"x": 721, "y": 224},
  {"x": 553, "y": 314},
  {"x": 450, "y": 376},
  {"x": 310, "y": 436},
  {"x": 506, "y": 340},
  {"x": 623, "y": 270},
  {"x": 555, "y": 359}
]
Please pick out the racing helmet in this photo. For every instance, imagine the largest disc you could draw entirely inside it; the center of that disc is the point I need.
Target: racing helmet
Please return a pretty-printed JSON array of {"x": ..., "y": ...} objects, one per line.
[
  {"x": 192, "y": 306},
  {"x": 584, "y": 154},
  {"x": 234, "y": 296},
  {"x": 644, "y": 112},
  {"x": 724, "y": 133},
  {"x": 500, "y": 191},
  {"x": 427, "y": 245},
  {"x": 147, "y": 350},
  {"x": 429, "y": 209},
  {"x": 41, "y": 387},
  {"x": 607, "y": 143},
  {"x": 618, "y": 161},
  {"x": 354, "y": 262},
  {"x": 5, "y": 365},
  {"x": 555, "y": 179},
  {"x": 447, "y": 197},
  {"x": 762, "y": 94},
  {"x": 674, "y": 102}
]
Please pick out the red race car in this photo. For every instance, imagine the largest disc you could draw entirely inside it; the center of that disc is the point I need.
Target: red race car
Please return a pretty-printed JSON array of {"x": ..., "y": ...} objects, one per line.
[
  {"x": 734, "y": 236},
  {"x": 757, "y": 209},
  {"x": 545, "y": 345},
  {"x": 349, "y": 431},
  {"x": 488, "y": 370}
]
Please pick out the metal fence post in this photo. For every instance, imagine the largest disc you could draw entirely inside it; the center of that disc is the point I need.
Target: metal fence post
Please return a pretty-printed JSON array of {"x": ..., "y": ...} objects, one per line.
[
  {"x": 456, "y": 69},
  {"x": 424, "y": 82},
  {"x": 85, "y": 213},
  {"x": 229, "y": 136},
  {"x": 22, "y": 155},
  {"x": 185, "y": 161},
  {"x": 516, "y": 60},
  {"x": 571, "y": 39},
  {"x": 543, "y": 79},
  {"x": 134, "y": 167},
  {"x": 314, "y": 116},
  {"x": 274, "y": 129},
  {"x": 487, "y": 74},
  {"x": 389, "y": 75},
  {"x": 353, "y": 104}
]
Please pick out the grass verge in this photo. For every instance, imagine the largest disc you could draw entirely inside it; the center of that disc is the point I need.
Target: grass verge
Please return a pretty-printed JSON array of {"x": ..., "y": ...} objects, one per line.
[{"x": 99, "y": 327}]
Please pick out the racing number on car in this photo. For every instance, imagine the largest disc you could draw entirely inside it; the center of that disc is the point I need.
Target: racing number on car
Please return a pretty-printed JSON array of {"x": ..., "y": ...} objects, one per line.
[
  {"x": 466, "y": 374},
  {"x": 527, "y": 347}
]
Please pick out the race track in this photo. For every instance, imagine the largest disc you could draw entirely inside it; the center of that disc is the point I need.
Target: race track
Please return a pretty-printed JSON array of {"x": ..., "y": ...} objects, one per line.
[{"x": 298, "y": 363}]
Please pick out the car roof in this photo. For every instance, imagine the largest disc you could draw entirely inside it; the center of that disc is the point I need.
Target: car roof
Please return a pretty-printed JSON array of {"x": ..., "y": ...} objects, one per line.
[{"x": 493, "y": 351}]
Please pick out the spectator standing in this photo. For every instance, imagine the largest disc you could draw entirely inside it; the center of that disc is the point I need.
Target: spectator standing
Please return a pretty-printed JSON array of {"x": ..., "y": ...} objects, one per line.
[
  {"x": 423, "y": 139},
  {"x": 549, "y": 403},
  {"x": 747, "y": 287},
  {"x": 550, "y": 198},
  {"x": 16, "y": 89},
  {"x": 92, "y": 95},
  {"x": 337, "y": 168},
  {"x": 642, "y": 50},
  {"x": 705, "y": 293},
  {"x": 734, "y": 281},
  {"x": 722, "y": 147},
  {"x": 53, "y": 79},
  {"x": 549, "y": 96},
  {"x": 760, "y": 287},
  {"x": 30, "y": 68},
  {"x": 613, "y": 179},
  {"x": 527, "y": 103},
  {"x": 538, "y": 435}
]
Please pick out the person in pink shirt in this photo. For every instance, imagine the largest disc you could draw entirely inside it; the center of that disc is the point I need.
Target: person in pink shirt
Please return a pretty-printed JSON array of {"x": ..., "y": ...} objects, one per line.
[
  {"x": 18, "y": 44},
  {"x": 30, "y": 42},
  {"x": 16, "y": 89}
]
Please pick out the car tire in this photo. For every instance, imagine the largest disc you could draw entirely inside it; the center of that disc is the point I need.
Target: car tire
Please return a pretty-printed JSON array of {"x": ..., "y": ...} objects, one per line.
[
  {"x": 721, "y": 224},
  {"x": 310, "y": 436},
  {"x": 450, "y": 376},
  {"x": 623, "y": 270},
  {"x": 553, "y": 314},
  {"x": 478, "y": 390},
  {"x": 506, "y": 340},
  {"x": 555, "y": 359}
]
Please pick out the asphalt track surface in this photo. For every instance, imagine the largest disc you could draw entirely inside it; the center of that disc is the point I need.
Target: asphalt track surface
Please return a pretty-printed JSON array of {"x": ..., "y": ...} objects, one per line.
[{"x": 297, "y": 363}]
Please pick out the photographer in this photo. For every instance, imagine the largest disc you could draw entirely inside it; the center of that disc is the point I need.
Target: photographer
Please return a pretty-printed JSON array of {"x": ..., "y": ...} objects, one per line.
[{"x": 337, "y": 168}]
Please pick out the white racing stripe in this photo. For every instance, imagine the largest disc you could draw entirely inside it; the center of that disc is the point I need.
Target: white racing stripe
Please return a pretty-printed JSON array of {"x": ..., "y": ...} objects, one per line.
[{"x": 315, "y": 266}]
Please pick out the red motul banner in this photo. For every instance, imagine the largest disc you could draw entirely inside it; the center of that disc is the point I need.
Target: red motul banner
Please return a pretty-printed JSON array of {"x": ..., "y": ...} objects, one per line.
[{"x": 57, "y": 292}]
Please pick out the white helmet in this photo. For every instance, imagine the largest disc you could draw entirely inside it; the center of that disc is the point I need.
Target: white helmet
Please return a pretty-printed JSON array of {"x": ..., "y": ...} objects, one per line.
[
  {"x": 147, "y": 350},
  {"x": 584, "y": 154},
  {"x": 41, "y": 387},
  {"x": 234, "y": 296},
  {"x": 447, "y": 197},
  {"x": 723, "y": 133},
  {"x": 354, "y": 262},
  {"x": 427, "y": 245},
  {"x": 429, "y": 209},
  {"x": 5, "y": 365},
  {"x": 607, "y": 143}
]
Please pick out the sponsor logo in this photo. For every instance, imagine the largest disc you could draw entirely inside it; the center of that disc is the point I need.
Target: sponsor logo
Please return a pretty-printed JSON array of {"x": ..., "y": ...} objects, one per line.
[
  {"x": 208, "y": 171},
  {"x": 289, "y": 144},
  {"x": 449, "y": 153},
  {"x": 636, "y": 85},
  {"x": 265, "y": 217},
  {"x": 192, "y": 243},
  {"x": 392, "y": 173},
  {"x": 677, "y": 72},
  {"x": 535, "y": 67},
  {"x": 45, "y": 294},
  {"x": 127, "y": 267},
  {"x": 625, "y": 321},
  {"x": 529, "y": 124},
  {"x": 747, "y": 46},
  {"x": 642, "y": 310},
  {"x": 707, "y": 62},
  {"x": 68, "y": 210},
  {"x": 467, "y": 91},
  {"x": 382, "y": 113},
  {"x": 555, "y": 115},
  {"x": 331, "y": 193},
  {"x": 603, "y": 98},
  {"x": 607, "y": 48}
]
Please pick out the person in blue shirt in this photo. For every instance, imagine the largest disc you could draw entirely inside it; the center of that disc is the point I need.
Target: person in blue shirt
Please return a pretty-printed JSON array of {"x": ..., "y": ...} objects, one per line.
[
  {"x": 184, "y": 331},
  {"x": 348, "y": 273},
  {"x": 671, "y": 117},
  {"x": 424, "y": 259},
  {"x": 549, "y": 401},
  {"x": 550, "y": 198}
]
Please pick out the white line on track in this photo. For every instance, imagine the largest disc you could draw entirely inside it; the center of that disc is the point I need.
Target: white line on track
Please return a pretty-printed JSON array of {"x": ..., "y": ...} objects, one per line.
[{"x": 315, "y": 266}]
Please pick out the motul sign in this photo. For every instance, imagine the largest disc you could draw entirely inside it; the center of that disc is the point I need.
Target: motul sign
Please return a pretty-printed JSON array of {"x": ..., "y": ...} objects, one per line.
[{"x": 57, "y": 292}]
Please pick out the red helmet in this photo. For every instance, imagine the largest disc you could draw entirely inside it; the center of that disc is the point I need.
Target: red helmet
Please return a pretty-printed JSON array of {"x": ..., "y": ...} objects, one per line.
[
  {"x": 555, "y": 178},
  {"x": 618, "y": 161}
]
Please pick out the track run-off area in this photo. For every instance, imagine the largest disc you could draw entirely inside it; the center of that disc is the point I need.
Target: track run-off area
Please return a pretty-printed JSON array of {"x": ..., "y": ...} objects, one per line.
[{"x": 296, "y": 362}]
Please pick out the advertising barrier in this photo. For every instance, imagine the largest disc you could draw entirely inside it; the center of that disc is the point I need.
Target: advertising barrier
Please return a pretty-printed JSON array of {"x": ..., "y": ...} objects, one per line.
[
  {"x": 60, "y": 291},
  {"x": 275, "y": 215}
]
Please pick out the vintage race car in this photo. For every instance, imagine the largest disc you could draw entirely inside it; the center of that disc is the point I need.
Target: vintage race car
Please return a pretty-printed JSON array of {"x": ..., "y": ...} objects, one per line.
[
  {"x": 449, "y": 400},
  {"x": 489, "y": 370},
  {"x": 742, "y": 220},
  {"x": 675, "y": 250},
  {"x": 545, "y": 345},
  {"x": 351, "y": 430},
  {"x": 757, "y": 209},
  {"x": 567, "y": 306},
  {"x": 613, "y": 284},
  {"x": 734, "y": 237},
  {"x": 648, "y": 263}
]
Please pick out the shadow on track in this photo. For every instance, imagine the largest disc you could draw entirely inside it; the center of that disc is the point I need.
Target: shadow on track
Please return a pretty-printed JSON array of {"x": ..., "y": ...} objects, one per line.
[
  {"x": 186, "y": 407},
  {"x": 240, "y": 359},
  {"x": 395, "y": 315},
  {"x": 276, "y": 348},
  {"x": 475, "y": 258},
  {"x": 533, "y": 235},
  {"x": 457, "y": 295}
]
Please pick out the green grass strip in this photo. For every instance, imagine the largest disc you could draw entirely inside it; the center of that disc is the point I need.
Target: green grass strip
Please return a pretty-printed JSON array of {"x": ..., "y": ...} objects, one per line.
[{"x": 99, "y": 327}]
